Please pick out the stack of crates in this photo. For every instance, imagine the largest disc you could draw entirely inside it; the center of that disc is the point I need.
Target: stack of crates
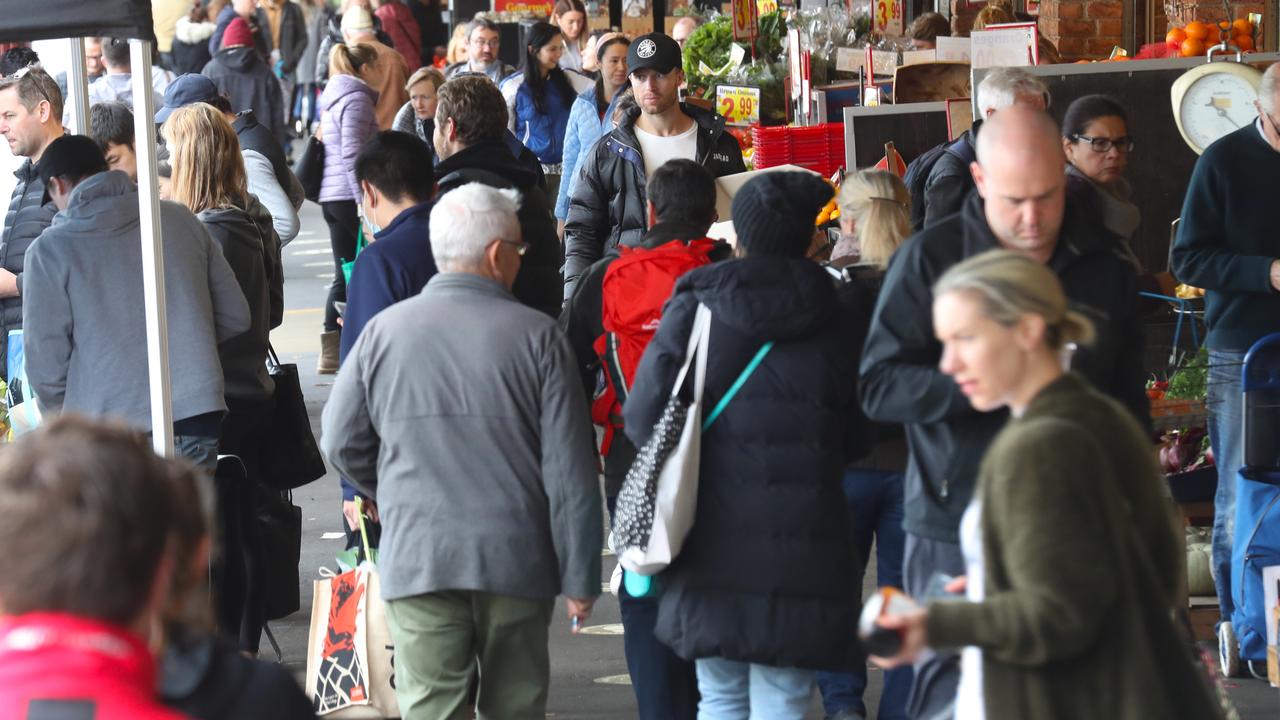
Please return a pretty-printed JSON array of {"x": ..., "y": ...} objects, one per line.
[{"x": 818, "y": 147}]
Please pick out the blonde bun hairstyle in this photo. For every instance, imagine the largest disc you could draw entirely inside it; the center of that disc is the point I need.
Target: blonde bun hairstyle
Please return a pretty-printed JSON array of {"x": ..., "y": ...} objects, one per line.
[{"x": 1009, "y": 286}]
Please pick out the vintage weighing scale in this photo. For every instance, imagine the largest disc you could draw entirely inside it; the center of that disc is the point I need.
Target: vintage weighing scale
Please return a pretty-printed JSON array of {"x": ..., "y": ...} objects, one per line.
[{"x": 1216, "y": 98}]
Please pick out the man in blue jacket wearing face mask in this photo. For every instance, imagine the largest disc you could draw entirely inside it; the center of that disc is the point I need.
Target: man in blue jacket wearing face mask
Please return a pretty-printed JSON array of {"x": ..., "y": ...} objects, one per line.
[{"x": 397, "y": 184}]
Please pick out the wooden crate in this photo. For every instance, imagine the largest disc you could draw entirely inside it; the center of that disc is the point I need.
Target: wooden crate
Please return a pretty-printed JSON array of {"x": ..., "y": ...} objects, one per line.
[{"x": 1204, "y": 615}]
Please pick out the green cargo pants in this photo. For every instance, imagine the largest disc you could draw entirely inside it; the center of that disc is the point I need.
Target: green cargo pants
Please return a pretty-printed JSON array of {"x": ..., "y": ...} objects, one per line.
[{"x": 442, "y": 637}]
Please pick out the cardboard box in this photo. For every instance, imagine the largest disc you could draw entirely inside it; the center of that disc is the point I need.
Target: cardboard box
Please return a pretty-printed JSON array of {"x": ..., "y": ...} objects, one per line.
[
  {"x": 1273, "y": 666},
  {"x": 1272, "y": 639}
]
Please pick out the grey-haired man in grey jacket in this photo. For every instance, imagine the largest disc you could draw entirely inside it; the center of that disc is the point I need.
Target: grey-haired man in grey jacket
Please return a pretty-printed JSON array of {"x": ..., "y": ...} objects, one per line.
[{"x": 459, "y": 410}]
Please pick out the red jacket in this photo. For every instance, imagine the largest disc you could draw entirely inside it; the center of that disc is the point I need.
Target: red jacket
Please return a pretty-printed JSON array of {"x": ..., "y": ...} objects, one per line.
[
  {"x": 53, "y": 659},
  {"x": 406, "y": 35}
]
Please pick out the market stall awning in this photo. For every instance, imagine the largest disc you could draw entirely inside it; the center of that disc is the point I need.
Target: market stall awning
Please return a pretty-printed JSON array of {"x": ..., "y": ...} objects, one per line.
[{"x": 28, "y": 20}]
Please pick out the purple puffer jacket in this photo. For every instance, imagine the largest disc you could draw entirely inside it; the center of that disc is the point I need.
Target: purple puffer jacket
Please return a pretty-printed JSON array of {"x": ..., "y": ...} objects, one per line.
[{"x": 348, "y": 121}]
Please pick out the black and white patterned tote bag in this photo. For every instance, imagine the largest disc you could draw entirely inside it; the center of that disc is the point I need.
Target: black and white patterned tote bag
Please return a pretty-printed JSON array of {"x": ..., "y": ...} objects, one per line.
[{"x": 658, "y": 498}]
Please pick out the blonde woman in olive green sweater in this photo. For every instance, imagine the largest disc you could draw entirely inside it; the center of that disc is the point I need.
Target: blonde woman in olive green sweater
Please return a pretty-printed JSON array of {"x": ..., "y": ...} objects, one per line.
[{"x": 1074, "y": 566}]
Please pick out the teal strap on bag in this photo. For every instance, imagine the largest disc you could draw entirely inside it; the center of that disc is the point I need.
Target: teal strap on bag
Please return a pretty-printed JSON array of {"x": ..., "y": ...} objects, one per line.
[
  {"x": 350, "y": 265},
  {"x": 737, "y": 385}
]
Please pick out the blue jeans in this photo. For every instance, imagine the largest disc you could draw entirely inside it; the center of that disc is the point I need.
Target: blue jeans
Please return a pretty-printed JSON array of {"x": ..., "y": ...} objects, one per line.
[
  {"x": 745, "y": 691},
  {"x": 875, "y": 509},
  {"x": 201, "y": 451},
  {"x": 1226, "y": 420},
  {"x": 664, "y": 684}
]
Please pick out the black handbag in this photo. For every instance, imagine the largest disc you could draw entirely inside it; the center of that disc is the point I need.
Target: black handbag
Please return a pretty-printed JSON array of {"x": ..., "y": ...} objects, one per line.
[
  {"x": 292, "y": 457},
  {"x": 309, "y": 168},
  {"x": 279, "y": 524}
]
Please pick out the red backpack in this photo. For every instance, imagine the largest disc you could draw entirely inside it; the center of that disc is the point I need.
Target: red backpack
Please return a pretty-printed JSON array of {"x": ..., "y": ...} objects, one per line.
[{"x": 635, "y": 288}]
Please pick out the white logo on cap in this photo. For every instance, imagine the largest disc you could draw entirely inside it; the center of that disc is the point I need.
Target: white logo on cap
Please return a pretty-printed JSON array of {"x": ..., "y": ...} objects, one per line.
[{"x": 647, "y": 48}]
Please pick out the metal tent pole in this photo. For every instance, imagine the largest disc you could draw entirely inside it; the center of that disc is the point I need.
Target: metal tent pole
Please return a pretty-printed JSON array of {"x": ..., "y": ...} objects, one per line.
[
  {"x": 78, "y": 89},
  {"x": 152, "y": 248}
]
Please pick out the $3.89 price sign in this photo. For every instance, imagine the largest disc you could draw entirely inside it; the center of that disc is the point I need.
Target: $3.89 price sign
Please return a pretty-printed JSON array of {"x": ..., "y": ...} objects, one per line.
[{"x": 738, "y": 104}]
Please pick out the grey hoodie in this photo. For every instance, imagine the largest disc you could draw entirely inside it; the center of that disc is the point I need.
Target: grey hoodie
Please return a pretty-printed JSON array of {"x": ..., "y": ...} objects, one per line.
[{"x": 85, "y": 329}]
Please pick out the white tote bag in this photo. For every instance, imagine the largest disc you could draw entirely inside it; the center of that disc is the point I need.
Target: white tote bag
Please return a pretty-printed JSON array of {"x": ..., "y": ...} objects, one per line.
[{"x": 658, "y": 499}]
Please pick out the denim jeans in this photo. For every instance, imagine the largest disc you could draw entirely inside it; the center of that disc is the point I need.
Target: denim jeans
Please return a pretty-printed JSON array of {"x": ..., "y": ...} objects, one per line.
[
  {"x": 874, "y": 498},
  {"x": 201, "y": 451},
  {"x": 746, "y": 691},
  {"x": 664, "y": 684},
  {"x": 1226, "y": 420}
]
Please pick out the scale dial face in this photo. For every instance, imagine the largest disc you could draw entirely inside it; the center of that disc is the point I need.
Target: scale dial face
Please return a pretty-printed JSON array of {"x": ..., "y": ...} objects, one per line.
[{"x": 1215, "y": 101}]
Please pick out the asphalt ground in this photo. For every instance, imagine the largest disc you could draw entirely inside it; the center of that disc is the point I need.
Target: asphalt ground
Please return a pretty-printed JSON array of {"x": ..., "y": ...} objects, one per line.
[{"x": 588, "y": 670}]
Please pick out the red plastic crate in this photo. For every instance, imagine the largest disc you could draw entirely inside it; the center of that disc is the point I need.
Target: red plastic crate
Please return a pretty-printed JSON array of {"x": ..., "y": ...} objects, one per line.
[{"x": 819, "y": 147}]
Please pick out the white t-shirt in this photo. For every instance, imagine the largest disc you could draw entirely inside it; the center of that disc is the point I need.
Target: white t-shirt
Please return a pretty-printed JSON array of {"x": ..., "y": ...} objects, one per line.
[
  {"x": 657, "y": 150},
  {"x": 970, "y": 704}
]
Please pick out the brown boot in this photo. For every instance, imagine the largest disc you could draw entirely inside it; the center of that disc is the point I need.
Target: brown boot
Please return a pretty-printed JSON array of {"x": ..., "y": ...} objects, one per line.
[{"x": 328, "y": 363}]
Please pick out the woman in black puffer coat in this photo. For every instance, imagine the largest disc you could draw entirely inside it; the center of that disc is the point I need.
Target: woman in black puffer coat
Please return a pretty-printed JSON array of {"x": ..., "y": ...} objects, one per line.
[{"x": 763, "y": 591}]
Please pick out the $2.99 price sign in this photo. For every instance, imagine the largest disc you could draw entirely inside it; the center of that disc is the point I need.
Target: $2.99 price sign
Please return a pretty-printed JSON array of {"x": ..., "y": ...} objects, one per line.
[{"x": 738, "y": 104}]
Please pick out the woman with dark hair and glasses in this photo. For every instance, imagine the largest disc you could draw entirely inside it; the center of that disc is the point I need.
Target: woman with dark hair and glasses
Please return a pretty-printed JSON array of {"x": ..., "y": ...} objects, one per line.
[
  {"x": 539, "y": 98},
  {"x": 1096, "y": 140}
]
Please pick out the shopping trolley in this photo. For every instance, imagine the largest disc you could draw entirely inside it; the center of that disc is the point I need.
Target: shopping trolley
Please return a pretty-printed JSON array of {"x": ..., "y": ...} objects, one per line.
[{"x": 1257, "y": 517}]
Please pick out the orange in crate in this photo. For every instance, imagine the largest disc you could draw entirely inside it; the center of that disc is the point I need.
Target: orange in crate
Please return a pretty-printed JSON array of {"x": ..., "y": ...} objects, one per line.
[{"x": 1196, "y": 30}]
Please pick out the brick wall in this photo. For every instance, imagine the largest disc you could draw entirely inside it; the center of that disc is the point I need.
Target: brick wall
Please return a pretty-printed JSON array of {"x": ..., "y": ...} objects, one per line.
[
  {"x": 1089, "y": 29},
  {"x": 1082, "y": 28},
  {"x": 1079, "y": 28}
]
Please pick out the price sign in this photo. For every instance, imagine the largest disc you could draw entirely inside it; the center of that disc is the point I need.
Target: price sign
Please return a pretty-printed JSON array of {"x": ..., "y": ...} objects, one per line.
[
  {"x": 764, "y": 7},
  {"x": 746, "y": 20},
  {"x": 740, "y": 105},
  {"x": 887, "y": 15}
]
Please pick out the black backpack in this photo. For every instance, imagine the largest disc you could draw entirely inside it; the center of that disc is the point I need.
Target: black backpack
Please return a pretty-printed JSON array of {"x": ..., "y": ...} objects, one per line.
[{"x": 918, "y": 173}]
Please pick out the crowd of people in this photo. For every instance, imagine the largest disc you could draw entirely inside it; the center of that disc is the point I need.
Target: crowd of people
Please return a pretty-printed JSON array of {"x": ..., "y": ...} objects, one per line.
[{"x": 520, "y": 258}]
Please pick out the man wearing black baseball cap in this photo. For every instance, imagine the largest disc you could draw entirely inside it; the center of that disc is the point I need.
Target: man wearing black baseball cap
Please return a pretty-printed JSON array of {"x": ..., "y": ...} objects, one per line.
[{"x": 607, "y": 207}]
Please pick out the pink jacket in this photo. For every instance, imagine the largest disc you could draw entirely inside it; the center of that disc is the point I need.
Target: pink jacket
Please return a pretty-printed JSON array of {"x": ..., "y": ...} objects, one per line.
[{"x": 398, "y": 22}]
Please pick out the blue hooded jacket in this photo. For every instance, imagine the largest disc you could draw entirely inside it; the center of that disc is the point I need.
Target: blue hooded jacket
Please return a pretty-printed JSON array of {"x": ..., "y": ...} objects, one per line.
[{"x": 544, "y": 132}]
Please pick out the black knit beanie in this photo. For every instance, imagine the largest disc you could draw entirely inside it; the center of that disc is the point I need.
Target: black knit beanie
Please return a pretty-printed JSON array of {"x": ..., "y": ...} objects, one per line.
[{"x": 774, "y": 214}]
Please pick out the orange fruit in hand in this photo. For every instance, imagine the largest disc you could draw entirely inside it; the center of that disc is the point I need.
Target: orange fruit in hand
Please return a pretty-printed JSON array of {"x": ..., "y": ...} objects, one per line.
[
  {"x": 1192, "y": 47},
  {"x": 1175, "y": 37},
  {"x": 1242, "y": 26},
  {"x": 1244, "y": 42},
  {"x": 1196, "y": 30}
]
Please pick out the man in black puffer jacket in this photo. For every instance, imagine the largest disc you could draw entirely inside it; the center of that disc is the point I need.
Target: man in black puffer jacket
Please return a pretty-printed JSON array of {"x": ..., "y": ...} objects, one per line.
[
  {"x": 470, "y": 140},
  {"x": 766, "y": 577},
  {"x": 608, "y": 203},
  {"x": 1021, "y": 205},
  {"x": 30, "y": 119}
]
